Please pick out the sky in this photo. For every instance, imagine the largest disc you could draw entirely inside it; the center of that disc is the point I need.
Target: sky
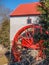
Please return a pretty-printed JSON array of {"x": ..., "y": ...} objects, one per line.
[{"x": 12, "y": 4}]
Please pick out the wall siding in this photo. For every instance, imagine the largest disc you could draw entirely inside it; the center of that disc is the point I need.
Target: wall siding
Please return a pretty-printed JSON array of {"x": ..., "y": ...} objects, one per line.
[{"x": 18, "y": 22}]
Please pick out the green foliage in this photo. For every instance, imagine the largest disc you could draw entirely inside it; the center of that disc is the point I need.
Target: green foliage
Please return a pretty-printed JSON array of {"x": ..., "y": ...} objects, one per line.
[
  {"x": 4, "y": 33},
  {"x": 44, "y": 8},
  {"x": 46, "y": 43}
]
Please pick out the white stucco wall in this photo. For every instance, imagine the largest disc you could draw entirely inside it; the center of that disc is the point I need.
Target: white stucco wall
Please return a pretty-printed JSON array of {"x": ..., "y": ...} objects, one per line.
[{"x": 18, "y": 22}]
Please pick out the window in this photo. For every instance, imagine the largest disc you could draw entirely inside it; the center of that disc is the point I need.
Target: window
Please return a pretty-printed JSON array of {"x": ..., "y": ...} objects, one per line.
[{"x": 28, "y": 20}]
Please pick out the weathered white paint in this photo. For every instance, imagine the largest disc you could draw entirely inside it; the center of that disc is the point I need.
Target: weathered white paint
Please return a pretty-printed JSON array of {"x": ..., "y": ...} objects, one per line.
[{"x": 18, "y": 22}]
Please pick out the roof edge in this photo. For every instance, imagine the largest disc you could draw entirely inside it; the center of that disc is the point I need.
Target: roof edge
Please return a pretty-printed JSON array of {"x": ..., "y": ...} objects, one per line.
[{"x": 24, "y": 15}]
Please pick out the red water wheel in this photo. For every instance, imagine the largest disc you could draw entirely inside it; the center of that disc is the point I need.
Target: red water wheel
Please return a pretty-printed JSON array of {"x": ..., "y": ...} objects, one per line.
[{"x": 24, "y": 40}]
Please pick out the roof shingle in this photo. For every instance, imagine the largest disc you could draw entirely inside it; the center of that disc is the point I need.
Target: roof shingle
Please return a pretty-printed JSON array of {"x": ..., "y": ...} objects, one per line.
[{"x": 26, "y": 9}]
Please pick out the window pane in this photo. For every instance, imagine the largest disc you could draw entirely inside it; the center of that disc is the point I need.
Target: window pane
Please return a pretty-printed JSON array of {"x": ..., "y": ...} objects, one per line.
[{"x": 28, "y": 21}]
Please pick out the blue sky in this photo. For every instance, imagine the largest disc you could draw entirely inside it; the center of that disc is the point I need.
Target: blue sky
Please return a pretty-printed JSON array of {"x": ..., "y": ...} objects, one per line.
[{"x": 12, "y": 4}]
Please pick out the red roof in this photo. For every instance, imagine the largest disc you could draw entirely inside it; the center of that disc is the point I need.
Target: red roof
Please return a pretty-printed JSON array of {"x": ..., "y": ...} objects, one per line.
[{"x": 26, "y": 9}]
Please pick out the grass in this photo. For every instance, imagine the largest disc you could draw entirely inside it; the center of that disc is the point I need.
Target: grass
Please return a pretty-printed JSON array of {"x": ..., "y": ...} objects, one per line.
[{"x": 3, "y": 60}]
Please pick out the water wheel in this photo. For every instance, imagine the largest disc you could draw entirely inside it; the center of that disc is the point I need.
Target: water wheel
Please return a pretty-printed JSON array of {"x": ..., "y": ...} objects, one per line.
[{"x": 24, "y": 46}]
